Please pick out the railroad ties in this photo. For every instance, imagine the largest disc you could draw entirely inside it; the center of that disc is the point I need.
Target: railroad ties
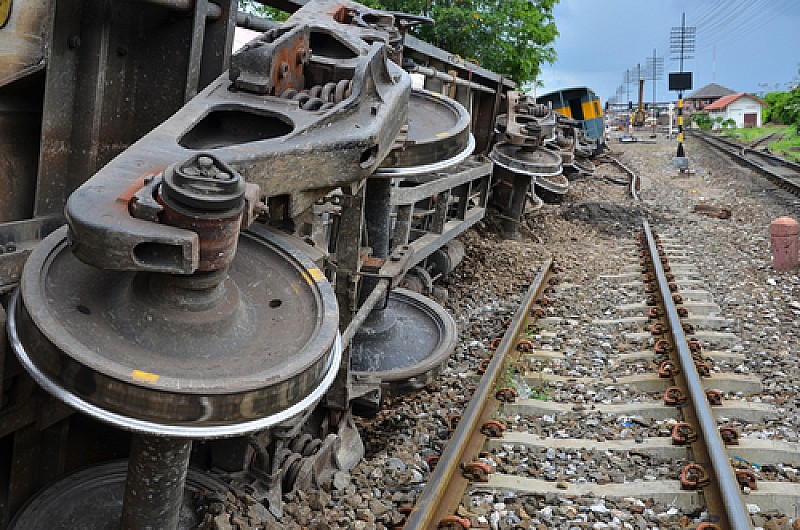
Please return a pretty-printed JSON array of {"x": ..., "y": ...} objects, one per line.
[
  {"x": 783, "y": 173},
  {"x": 656, "y": 419}
]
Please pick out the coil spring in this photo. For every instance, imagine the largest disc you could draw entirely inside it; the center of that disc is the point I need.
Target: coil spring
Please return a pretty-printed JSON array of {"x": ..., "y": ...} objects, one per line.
[
  {"x": 321, "y": 97},
  {"x": 539, "y": 110},
  {"x": 294, "y": 456}
]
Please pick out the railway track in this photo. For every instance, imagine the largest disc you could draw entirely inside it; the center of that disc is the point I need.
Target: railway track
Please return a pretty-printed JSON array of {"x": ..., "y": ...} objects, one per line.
[
  {"x": 784, "y": 173},
  {"x": 652, "y": 424}
]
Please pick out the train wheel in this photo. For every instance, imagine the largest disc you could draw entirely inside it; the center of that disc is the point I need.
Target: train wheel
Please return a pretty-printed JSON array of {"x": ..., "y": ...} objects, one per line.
[{"x": 92, "y": 498}]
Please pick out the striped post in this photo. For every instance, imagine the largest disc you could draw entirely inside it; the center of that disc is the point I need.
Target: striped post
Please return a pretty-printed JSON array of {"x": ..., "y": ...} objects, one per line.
[{"x": 680, "y": 125}]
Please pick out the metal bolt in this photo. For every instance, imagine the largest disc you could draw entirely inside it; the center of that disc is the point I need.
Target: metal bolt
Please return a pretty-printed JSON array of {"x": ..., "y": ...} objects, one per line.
[
  {"x": 73, "y": 41},
  {"x": 283, "y": 69},
  {"x": 122, "y": 51},
  {"x": 205, "y": 162}
]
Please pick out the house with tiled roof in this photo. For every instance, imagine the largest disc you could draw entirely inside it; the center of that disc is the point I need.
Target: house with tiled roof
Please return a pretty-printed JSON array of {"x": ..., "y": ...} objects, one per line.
[
  {"x": 743, "y": 108},
  {"x": 701, "y": 97}
]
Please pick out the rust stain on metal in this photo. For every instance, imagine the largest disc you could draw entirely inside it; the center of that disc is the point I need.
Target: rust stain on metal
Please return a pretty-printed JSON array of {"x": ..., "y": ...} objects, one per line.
[{"x": 128, "y": 193}]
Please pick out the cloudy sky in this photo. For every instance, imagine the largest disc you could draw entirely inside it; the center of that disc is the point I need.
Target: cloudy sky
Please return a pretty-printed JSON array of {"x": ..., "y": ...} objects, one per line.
[{"x": 745, "y": 45}]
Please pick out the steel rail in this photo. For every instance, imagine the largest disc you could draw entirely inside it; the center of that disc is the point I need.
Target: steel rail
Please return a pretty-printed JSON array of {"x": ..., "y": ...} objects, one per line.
[
  {"x": 738, "y": 517},
  {"x": 740, "y": 153},
  {"x": 634, "y": 183},
  {"x": 439, "y": 498}
]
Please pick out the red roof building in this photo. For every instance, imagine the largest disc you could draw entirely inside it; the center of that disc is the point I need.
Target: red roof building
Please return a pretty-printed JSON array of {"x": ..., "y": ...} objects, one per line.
[{"x": 743, "y": 108}]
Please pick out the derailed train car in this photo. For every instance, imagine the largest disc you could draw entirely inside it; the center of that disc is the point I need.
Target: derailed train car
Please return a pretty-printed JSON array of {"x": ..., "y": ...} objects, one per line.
[
  {"x": 541, "y": 144},
  {"x": 582, "y": 105},
  {"x": 202, "y": 254}
]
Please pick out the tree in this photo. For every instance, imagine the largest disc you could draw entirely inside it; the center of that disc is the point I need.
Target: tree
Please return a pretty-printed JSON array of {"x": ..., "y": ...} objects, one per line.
[
  {"x": 252, "y": 6},
  {"x": 784, "y": 107},
  {"x": 510, "y": 37}
]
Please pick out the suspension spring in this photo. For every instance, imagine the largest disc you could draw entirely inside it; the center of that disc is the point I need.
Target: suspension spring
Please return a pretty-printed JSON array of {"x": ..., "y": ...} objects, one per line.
[{"x": 321, "y": 97}]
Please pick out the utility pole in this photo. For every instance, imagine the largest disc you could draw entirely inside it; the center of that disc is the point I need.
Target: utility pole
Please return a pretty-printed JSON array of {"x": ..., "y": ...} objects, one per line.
[
  {"x": 655, "y": 72},
  {"x": 681, "y": 42},
  {"x": 655, "y": 68},
  {"x": 714, "y": 66},
  {"x": 628, "y": 83}
]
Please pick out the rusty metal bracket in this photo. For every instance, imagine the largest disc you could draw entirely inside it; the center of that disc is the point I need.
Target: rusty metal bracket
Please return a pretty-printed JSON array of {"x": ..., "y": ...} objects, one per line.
[
  {"x": 674, "y": 396},
  {"x": 506, "y": 395},
  {"x": 483, "y": 365},
  {"x": 668, "y": 369},
  {"x": 662, "y": 346},
  {"x": 264, "y": 137},
  {"x": 703, "y": 368},
  {"x": 747, "y": 478},
  {"x": 694, "y": 346},
  {"x": 683, "y": 434},
  {"x": 730, "y": 436},
  {"x": 694, "y": 476},
  {"x": 493, "y": 429},
  {"x": 274, "y": 62},
  {"x": 714, "y": 397},
  {"x": 477, "y": 471}
]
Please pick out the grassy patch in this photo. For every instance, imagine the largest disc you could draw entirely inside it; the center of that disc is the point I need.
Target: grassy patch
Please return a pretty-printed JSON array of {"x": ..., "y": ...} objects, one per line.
[
  {"x": 542, "y": 392},
  {"x": 535, "y": 387},
  {"x": 788, "y": 147}
]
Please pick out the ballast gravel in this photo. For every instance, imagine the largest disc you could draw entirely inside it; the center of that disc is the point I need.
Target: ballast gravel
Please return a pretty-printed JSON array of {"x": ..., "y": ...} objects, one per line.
[{"x": 590, "y": 234}]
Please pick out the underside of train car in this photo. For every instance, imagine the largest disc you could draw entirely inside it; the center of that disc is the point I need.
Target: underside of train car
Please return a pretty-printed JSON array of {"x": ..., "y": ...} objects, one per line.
[{"x": 210, "y": 261}]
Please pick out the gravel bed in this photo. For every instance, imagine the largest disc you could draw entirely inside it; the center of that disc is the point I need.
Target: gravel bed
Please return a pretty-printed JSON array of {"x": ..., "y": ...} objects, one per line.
[{"x": 589, "y": 234}]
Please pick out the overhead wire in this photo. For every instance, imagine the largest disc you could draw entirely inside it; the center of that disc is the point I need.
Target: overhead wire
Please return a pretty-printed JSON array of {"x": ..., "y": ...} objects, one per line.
[{"x": 720, "y": 22}]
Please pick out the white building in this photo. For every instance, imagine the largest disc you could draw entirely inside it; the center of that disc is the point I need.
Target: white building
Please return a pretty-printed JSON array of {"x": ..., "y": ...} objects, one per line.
[{"x": 743, "y": 108}]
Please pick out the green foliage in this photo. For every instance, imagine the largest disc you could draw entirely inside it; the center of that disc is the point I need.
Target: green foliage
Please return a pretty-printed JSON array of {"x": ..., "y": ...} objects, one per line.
[
  {"x": 730, "y": 123},
  {"x": 702, "y": 120},
  {"x": 510, "y": 37},
  {"x": 789, "y": 145},
  {"x": 251, "y": 6},
  {"x": 784, "y": 107}
]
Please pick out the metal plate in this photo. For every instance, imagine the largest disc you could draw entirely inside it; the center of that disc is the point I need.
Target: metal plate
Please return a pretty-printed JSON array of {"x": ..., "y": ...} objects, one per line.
[
  {"x": 438, "y": 130},
  {"x": 103, "y": 342},
  {"x": 92, "y": 498},
  {"x": 409, "y": 349}
]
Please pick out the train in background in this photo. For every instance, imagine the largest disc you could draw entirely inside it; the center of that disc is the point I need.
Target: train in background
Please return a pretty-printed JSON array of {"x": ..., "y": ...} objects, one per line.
[
  {"x": 582, "y": 105},
  {"x": 543, "y": 143}
]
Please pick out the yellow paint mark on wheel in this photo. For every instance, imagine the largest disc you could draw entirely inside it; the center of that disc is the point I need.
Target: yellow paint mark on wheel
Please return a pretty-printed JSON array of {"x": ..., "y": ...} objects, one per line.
[
  {"x": 144, "y": 377},
  {"x": 5, "y": 12},
  {"x": 442, "y": 134},
  {"x": 316, "y": 274}
]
